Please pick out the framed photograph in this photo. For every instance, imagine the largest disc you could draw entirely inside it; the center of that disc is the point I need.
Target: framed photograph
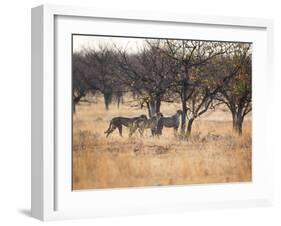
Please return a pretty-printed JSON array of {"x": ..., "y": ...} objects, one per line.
[{"x": 137, "y": 112}]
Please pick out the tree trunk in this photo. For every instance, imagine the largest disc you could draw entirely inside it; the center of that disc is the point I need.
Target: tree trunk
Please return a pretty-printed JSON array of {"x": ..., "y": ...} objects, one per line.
[
  {"x": 158, "y": 105},
  {"x": 184, "y": 107},
  {"x": 183, "y": 101},
  {"x": 75, "y": 102},
  {"x": 107, "y": 100},
  {"x": 233, "y": 120},
  {"x": 153, "y": 107},
  {"x": 118, "y": 102},
  {"x": 239, "y": 128},
  {"x": 238, "y": 125},
  {"x": 148, "y": 109},
  {"x": 189, "y": 126},
  {"x": 74, "y": 107},
  {"x": 237, "y": 122},
  {"x": 119, "y": 99},
  {"x": 183, "y": 117}
]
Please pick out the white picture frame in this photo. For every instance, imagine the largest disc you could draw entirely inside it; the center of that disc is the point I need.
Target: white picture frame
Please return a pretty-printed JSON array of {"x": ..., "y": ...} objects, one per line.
[{"x": 52, "y": 198}]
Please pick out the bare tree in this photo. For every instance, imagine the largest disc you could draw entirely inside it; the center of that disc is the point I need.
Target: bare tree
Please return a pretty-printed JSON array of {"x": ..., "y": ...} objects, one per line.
[
  {"x": 101, "y": 72},
  {"x": 79, "y": 85},
  {"x": 190, "y": 56},
  {"x": 206, "y": 87},
  {"x": 147, "y": 74},
  {"x": 237, "y": 94}
]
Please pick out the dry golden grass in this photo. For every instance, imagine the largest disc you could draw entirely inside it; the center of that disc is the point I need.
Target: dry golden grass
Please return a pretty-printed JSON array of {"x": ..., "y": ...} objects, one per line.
[{"x": 213, "y": 154}]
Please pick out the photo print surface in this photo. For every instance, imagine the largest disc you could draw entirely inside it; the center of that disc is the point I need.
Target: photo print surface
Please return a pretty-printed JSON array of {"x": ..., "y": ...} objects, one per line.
[{"x": 160, "y": 112}]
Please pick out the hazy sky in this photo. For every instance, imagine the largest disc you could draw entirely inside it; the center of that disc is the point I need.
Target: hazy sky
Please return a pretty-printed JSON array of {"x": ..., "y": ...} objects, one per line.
[{"x": 83, "y": 41}]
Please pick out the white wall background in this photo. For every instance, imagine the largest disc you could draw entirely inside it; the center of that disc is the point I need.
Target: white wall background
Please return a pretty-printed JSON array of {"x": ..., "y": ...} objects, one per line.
[{"x": 15, "y": 112}]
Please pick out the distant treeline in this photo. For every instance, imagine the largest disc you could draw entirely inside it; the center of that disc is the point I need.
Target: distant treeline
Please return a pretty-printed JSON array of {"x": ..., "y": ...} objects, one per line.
[{"x": 199, "y": 74}]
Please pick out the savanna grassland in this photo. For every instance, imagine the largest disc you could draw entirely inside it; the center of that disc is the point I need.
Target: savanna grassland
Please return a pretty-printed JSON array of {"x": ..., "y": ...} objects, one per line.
[{"x": 213, "y": 153}]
